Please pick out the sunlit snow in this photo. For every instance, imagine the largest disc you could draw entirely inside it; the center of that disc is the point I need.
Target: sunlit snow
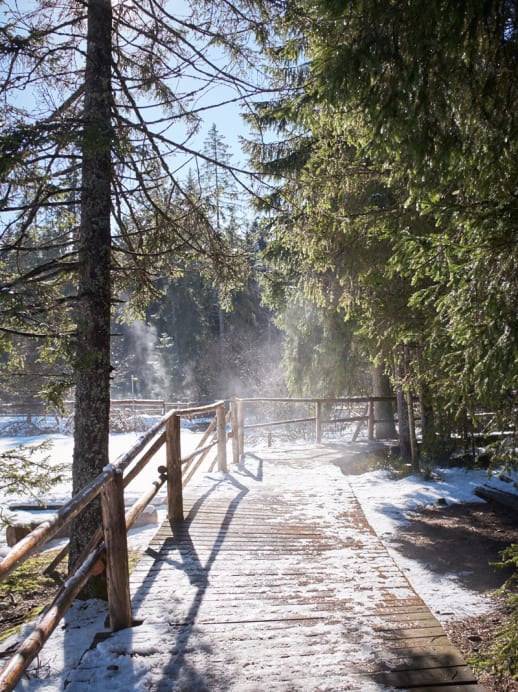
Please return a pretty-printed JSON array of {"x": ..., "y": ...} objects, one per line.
[{"x": 386, "y": 503}]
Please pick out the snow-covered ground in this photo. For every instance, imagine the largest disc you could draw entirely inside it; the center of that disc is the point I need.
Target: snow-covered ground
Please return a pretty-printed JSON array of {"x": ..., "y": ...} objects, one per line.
[
  {"x": 385, "y": 502},
  {"x": 61, "y": 453}
]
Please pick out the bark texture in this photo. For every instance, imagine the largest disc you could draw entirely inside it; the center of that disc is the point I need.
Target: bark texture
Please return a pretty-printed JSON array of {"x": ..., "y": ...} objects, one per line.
[
  {"x": 402, "y": 414},
  {"x": 92, "y": 399}
]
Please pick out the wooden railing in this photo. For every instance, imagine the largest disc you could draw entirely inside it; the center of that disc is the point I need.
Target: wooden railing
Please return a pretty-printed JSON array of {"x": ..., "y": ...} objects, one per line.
[
  {"x": 40, "y": 408},
  {"x": 109, "y": 548},
  {"x": 245, "y": 407},
  {"x": 109, "y": 545}
]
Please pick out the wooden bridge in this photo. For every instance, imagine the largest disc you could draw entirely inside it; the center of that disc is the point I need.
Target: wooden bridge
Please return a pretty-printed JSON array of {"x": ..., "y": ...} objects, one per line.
[{"x": 273, "y": 581}]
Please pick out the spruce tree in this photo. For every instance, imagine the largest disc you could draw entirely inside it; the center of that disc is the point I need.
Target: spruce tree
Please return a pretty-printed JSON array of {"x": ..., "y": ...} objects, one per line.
[
  {"x": 94, "y": 117},
  {"x": 396, "y": 161}
]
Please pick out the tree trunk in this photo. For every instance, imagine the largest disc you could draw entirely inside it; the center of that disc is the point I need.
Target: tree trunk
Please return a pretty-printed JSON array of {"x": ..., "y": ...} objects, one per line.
[
  {"x": 402, "y": 415},
  {"x": 383, "y": 410},
  {"x": 411, "y": 425},
  {"x": 427, "y": 422},
  {"x": 92, "y": 398}
]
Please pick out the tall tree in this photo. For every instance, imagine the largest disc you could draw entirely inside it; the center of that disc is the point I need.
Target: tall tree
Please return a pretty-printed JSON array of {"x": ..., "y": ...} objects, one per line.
[
  {"x": 92, "y": 367},
  {"x": 398, "y": 152},
  {"x": 431, "y": 98},
  {"x": 217, "y": 185},
  {"x": 98, "y": 89}
]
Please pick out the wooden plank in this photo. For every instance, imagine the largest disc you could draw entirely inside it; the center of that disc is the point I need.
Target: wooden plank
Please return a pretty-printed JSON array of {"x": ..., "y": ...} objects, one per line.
[
  {"x": 468, "y": 687},
  {"x": 443, "y": 675},
  {"x": 250, "y": 592}
]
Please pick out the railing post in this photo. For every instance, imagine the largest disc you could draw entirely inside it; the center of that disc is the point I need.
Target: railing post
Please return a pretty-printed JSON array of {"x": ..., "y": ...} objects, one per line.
[
  {"x": 241, "y": 426},
  {"x": 174, "y": 469},
  {"x": 116, "y": 542},
  {"x": 234, "y": 428},
  {"x": 221, "y": 418},
  {"x": 318, "y": 421},
  {"x": 370, "y": 414}
]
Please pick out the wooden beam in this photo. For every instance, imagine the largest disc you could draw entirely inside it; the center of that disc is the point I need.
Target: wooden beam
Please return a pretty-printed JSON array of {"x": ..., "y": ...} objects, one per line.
[
  {"x": 116, "y": 542},
  {"x": 241, "y": 426},
  {"x": 234, "y": 430},
  {"x": 361, "y": 420},
  {"x": 318, "y": 422},
  {"x": 222, "y": 438},
  {"x": 370, "y": 422},
  {"x": 174, "y": 469}
]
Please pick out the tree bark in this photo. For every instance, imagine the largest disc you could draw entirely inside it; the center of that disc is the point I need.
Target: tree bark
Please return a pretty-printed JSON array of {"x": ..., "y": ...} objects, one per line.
[
  {"x": 427, "y": 421},
  {"x": 402, "y": 415},
  {"x": 386, "y": 429},
  {"x": 92, "y": 366}
]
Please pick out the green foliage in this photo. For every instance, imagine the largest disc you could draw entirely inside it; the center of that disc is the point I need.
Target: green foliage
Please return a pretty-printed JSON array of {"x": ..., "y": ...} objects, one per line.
[
  {"x": 26, "y": 471},
  {"x": 27, "y": 589},
  {"x": 318, "y": 357},
  {"x": 28, "y": 579},
  {"x": 217, "y": 186},
  {"x": 502, "y": 657},
  {"x": 395, "y": 196},
  {"x": 203, "y": 347},
  {"x": 510, "y": 559}
]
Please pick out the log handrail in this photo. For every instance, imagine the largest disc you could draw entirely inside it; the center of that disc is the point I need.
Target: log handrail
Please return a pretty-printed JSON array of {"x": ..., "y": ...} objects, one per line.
[
  {"x": 272, "y": 423},
  {"x": 237, "y": 411},
  {"x": 109, "y": 544},
  {"x": 312, "y": 400},
  {"x": 238, "y": 416}
]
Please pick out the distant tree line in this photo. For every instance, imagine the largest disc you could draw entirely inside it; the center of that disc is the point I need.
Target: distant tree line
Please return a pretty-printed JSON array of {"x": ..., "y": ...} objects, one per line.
[{"x": 191, "y": 346}]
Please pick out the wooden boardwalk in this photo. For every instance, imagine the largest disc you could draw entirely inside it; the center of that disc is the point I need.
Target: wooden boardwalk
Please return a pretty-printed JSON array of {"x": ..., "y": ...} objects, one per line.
[{"x": 275, "y": 581}]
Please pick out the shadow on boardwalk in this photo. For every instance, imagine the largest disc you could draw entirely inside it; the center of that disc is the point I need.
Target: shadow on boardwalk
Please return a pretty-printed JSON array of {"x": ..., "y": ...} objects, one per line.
[{"x": 275, "y": 581}]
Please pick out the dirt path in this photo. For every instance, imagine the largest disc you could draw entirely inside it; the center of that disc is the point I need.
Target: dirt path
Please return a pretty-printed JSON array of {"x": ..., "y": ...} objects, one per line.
[{"x": 467, "y": 539}]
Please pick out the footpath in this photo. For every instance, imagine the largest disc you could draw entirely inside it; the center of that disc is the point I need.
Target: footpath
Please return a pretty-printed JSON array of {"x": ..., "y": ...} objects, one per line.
[{"x": 275, "y": 581}]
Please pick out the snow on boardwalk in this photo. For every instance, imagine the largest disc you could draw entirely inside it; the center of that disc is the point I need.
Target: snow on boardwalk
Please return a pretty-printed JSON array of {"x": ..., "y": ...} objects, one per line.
[{"x": 275, "y": 581}]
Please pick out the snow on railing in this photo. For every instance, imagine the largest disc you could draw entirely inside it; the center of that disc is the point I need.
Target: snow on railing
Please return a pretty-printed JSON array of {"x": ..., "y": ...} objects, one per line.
[{"x": 108, "y": 547}]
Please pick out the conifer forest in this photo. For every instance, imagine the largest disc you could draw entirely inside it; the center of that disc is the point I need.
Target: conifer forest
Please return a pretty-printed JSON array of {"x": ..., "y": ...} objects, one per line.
[{"x": 349, "y": 226}]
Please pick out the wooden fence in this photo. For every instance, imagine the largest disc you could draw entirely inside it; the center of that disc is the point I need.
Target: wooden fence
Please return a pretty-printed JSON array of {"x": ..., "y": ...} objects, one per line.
[
  {"x": 240, "y": 408},
  {"x": 37, "y": 408},
  {"x": 109, "y": 545}
]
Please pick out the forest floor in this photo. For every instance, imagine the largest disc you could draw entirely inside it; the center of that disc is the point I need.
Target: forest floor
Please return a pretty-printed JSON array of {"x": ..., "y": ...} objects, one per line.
[
  {"x": 466, "y": 539},
  {"x": 459, "y": 538}
]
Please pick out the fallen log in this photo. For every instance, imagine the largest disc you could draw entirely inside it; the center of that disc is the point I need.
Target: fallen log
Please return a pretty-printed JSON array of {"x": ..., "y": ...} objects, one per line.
[{"x": 500, "y": 496}]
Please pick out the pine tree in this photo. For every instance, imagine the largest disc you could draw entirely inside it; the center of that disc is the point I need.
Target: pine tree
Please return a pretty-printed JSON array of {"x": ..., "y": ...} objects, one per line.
[
  {"x": 396, "y": 160},
  {"x": 217, "y": 185},
  {"x": 94, "y": 114}
]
